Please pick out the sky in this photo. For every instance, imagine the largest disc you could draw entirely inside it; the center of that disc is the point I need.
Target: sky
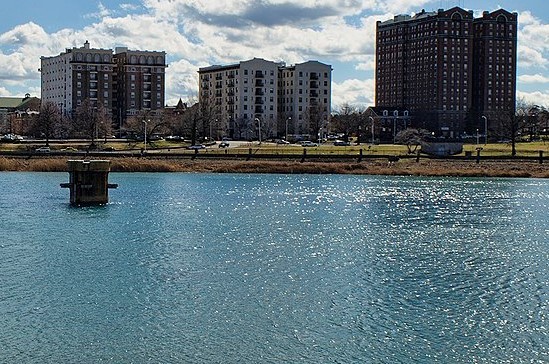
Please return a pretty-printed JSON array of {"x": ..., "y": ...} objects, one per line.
[{"x": 199, "y": 33}]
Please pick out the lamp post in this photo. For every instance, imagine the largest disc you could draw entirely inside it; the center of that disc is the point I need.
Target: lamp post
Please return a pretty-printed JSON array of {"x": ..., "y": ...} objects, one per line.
[
  {"x": 145, "y": 134},
  {"x": 477, "y": 136},
  {"x": 394, "y": 129},
  {"x": 288, "y": 119},
  {"x": 485, "y": 129},
  {"x": 259, "y": 129},
  {"x": 372, "y": 120}
]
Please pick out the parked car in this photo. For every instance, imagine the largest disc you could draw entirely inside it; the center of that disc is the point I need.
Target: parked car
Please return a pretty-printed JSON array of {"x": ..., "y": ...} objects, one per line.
[
  {"x": 69, "y": 149},
  {"x": 197, "y": 146},
  {"x": 42, "y": 150},
  {"x": 341, "y": 143},
  {"x": 173, "y": 137},
  {"x": 282, "y": 141},
  {"x": 14, "y": 138},
  {"x": 308, "y": 143},
  {"x": 224, "y": 144}
]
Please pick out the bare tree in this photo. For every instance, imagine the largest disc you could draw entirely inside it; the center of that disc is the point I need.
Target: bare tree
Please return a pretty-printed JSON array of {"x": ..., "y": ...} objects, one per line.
[
  {"x": 349, "y": 118},
  {"x": 149, "y": 121},
  {"x": 91, "y": 119},
  {"x": 47, "y": 122},
  {"x": 316, "y": 117},
  {"x": 513, "y": 125},
  {"x": 412, "y": 138}
]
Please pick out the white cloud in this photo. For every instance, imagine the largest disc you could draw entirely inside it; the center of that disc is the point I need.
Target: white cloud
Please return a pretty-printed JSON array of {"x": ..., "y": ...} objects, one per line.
[
  {"x": 533, "y": 47},
  {"x": 4, "y": 92},
  {"x": 537, "y": 78},
  {"x": 529, "y": 57},
  {"x": 102, "y": 12},
  {"x": 353, "y": 92},
  {"x": 536, "y": 97}
]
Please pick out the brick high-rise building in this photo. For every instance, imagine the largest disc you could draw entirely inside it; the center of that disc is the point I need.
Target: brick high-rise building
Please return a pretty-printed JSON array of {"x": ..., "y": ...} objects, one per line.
[
  {"x": 447, "y": 68},
  {"x": 124, "y": 82}
]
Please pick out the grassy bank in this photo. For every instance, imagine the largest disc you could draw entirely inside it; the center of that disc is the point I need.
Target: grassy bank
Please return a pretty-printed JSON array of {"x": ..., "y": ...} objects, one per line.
[{"x": 426, "y": 167}]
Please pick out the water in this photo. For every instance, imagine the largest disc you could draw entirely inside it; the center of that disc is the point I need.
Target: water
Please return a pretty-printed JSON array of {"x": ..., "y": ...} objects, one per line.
[{"x": 206, "y": 268}]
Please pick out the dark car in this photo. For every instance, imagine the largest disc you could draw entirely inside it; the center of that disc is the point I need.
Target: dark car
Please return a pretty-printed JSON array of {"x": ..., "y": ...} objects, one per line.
[
  {"x": 224, "y": 144},
  {"x": 341, "y": 143}
]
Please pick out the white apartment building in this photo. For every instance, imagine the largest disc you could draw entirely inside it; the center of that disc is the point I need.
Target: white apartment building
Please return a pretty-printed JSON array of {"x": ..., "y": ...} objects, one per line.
[{"x": 244, "y": 98}]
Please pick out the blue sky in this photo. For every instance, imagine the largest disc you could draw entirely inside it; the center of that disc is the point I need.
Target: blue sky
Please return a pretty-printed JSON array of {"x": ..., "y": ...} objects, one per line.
[{"x": 197, "y": 33}]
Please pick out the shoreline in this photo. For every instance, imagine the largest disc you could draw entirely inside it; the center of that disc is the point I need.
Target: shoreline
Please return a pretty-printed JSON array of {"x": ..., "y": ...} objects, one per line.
[{"x": 425, "y": 167}]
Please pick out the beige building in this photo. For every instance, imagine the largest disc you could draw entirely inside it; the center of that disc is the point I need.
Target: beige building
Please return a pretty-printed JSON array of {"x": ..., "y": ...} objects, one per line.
[
  {"x": 124, "y": 82},
  {"x": 241, "y": 100}
]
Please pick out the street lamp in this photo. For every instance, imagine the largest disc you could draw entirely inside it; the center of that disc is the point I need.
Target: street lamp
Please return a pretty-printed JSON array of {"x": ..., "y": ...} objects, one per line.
[
  {"x": 372, "y": 120},
  {"x": 485, "y": 129},
  {"x": 259, "y": 126},
  {"x": 288, "y": 119},
  {"x": 145, "y": 134},
  {"x": 477, "y": 136}
]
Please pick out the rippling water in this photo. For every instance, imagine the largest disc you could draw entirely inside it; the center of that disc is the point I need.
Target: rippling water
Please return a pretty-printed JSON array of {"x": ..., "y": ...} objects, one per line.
[{"x": 272, "y": 268}]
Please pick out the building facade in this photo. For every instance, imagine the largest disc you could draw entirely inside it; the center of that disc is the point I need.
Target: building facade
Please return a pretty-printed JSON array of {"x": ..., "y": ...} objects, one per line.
[
  {"x": 240, "y": 100},
  {"x": 16, "y": 114},
  {"x": 122, "y": 82},
  {"x": 441, "y": 67}
]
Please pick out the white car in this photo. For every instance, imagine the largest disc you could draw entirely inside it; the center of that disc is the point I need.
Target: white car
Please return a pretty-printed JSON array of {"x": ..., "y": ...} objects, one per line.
[
  {"x": 42, "y": 150},
  {"x": 308, "y": 143},
  {"x": 197, "y": 146}
]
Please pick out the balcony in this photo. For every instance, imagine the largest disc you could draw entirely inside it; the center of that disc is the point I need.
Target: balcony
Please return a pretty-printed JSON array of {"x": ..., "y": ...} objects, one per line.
[
  {"x": 259, "y": 110},
  {"x": 259, "y": 92},
  {"x": 259, "y": 83},
  {"x": 313, "y": 94},
  {"x": 231, "y": 75},
  {"x": 314, "y": 84},
  {"x": 259, "y": 74},
  {"x": 259, "y": 101},
  {"x": 314, "y": 76}
]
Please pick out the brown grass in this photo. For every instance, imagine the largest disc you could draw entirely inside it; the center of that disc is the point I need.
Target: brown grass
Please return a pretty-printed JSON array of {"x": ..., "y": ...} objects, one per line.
[{"x": 376, "y": 166}]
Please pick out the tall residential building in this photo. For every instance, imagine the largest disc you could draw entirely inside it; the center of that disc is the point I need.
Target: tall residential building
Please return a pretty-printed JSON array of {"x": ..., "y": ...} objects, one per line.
[
  {"x": 283, "y": 98},
  {"x": 447, "y": 68},
  {"x": 124, "y": 82}
]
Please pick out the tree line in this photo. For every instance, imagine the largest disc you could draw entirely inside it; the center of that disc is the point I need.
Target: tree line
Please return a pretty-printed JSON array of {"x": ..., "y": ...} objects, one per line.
[{"x": 198, "y": 122}]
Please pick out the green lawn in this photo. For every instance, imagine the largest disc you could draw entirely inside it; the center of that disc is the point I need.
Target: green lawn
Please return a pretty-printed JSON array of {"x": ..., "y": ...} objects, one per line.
[{"x": 492, "y": 149}]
